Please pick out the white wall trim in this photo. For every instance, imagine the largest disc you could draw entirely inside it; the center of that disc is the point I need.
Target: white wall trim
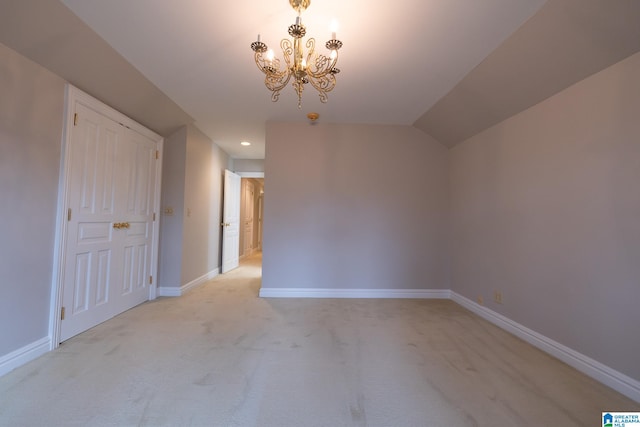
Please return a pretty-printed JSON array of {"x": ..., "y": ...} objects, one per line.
[
  {"x": 354, "y": 293},
  {"x": 596, "y": 370},
  {"x": 23, "y": 355},
  {"x": 177, "y": 291},
  {"x": 250, "y": 174},
  {"x": 169, "y": 291}
]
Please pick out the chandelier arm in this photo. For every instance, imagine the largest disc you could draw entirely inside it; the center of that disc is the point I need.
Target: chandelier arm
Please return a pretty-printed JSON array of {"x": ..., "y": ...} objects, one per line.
[
  {"x": 322, "y": 66},
  {"x": 260, "y": 62},
  {"x": 287, "y": 50},
  {"x": 263, "y": 64},
  {"x": 323, "y": 85},
  {"x": 311, "y": 47},
  {"x": 277, "y": 81}
]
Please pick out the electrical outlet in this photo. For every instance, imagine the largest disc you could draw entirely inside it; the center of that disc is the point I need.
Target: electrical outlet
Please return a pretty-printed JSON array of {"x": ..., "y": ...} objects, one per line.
[{"x": 497, "y": 297}]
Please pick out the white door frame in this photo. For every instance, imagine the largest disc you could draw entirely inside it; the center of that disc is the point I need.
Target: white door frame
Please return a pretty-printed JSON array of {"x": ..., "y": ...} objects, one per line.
[
  {"x": 73, "y": 95},
  {"x": 250, "y": 174}
]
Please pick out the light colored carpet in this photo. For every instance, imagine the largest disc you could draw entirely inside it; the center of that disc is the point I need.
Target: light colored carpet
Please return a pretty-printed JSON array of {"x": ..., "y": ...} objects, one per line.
[{"x": 221, "y": 356}]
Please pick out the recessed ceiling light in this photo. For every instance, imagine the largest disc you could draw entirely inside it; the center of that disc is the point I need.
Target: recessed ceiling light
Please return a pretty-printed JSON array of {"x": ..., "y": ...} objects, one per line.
[{"x": 245, "y": 143}]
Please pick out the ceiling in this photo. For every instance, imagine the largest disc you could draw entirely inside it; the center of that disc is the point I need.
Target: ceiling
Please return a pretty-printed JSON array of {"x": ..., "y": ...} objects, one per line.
[{"x": 449, "y": 67}]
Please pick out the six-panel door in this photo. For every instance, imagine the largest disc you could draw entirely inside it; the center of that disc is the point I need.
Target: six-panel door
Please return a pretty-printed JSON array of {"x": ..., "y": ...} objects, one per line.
[{"x": 110, "y": 230}]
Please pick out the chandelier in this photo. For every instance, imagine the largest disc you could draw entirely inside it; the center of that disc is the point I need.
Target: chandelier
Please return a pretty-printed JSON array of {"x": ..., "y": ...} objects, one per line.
[{"x": 304, "y": 67}]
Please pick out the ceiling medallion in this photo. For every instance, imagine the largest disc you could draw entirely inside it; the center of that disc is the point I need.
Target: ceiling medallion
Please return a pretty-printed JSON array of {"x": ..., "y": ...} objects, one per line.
[{"x": 305, "y": 67}]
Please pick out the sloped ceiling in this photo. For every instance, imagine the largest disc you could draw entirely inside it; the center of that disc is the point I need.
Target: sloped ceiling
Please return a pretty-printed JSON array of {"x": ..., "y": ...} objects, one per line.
[
  {"x": 449, "y": 67},
  {"x": 565, "y": 42},
  {"x": 46, "y": 32}
]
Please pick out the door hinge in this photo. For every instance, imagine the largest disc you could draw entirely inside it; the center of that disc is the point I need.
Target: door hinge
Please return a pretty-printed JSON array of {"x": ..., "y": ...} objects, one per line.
[
  {"x": 157, "y": 154},
  {"x": 75, "y": 119},
  {"x": 150, "y": 280},
  {"x": 69, "y": 214},
  {"x": 62, "y": 313}
]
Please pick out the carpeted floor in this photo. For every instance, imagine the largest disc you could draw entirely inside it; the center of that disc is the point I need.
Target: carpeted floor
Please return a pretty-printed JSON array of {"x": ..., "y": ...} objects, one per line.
[{"x": 221, "y": 356}]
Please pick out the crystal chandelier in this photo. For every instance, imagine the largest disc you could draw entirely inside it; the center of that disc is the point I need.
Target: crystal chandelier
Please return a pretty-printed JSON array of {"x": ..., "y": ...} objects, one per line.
[{"x": 305, "y": 67}]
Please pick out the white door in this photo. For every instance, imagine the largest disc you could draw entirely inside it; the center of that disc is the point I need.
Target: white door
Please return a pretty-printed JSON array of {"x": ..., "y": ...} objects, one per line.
[
  {"x": 231, "y": 221},
  {"x": 138, "y": 170},
  {"x": 109, "y": 231}
]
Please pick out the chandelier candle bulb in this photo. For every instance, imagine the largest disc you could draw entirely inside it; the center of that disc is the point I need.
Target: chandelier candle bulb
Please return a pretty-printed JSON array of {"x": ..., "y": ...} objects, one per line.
[
  {"x": 334, "y": 29},
  {"x": 258, "y": 37},
  {"x": 270, "y": 57}
]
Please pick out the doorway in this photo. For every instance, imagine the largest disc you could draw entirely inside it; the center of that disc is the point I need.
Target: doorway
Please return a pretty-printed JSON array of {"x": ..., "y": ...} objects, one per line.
[{"x": 251, "y": 209}]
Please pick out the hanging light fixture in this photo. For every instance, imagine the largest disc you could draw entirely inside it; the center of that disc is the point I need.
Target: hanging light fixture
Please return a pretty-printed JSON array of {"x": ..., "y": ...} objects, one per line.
[{"x": 304, "y": 67}]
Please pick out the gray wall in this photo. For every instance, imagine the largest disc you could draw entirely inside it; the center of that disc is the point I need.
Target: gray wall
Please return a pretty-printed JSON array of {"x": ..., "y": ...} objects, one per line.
[
  {"x": 172, "y": 200},
  {"x": 31, "y": 118},
  {"x": 546, "y": 209},
  {"x": 354, "y": 206},
  {"x": 248, "y": 165},
  {"x": 192, "y": 178},
  {"x": 206, "y": 163}
]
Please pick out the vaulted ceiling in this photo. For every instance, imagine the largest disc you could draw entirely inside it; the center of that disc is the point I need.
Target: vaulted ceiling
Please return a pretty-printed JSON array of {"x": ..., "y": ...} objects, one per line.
[{"x": 449, "y": 67}]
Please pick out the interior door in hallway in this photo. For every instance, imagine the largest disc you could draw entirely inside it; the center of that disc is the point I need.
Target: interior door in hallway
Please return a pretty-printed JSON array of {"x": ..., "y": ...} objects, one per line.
[
  {"x": 231, "y": 222},
  {"x": 109, "y": 231}
]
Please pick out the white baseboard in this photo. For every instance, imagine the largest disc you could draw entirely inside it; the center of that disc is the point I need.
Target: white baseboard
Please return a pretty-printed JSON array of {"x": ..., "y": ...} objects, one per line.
[
  {"x": 596, "y": 370},
  {"x": 23, "y": 355},
  {"x": 606, "y": 375},
  {"x": 171, "y": 291},
  {"x": 354, "y": 293}
]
